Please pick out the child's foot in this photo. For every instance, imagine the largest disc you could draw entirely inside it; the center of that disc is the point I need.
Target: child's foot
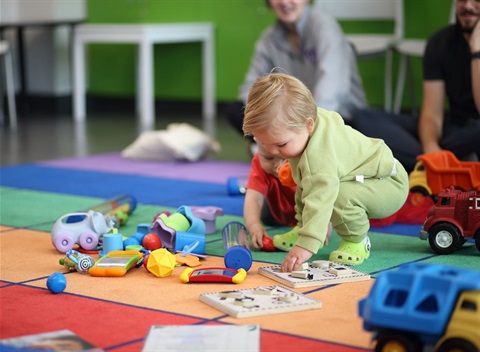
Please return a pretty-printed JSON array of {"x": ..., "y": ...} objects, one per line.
[
  {"x": 351, "y": 253},
  {"x": 286, "y": 241}
]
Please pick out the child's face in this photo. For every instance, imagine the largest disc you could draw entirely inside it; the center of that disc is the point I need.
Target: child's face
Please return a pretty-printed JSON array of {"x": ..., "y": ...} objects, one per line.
[
  {"x": 284, "y": 143},
  {"x": 269, "y": 163}
]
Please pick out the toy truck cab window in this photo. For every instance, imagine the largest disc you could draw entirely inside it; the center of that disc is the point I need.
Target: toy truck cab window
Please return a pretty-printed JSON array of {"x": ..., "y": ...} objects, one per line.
[
  {"x": 445, "y": 201},
  {"x": 469, "y": 305}
]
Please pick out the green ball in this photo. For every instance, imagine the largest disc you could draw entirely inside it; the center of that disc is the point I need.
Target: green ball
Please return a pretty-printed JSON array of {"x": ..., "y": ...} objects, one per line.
[{"x": 122, "y": 217}]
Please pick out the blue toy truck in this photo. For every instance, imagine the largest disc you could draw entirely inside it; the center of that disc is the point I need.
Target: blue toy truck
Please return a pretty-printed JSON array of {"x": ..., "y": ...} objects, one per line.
[{"x": 418, "y": 305}]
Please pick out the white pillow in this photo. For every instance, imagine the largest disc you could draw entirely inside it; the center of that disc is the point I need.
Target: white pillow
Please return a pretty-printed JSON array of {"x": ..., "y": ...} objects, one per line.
[{"x": 180, "y": 141}]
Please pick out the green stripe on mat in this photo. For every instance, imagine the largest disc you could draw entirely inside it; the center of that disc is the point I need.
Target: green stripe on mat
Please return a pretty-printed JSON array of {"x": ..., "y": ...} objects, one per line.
[
  {"x": 39, "y": 211},
  {"x": 387, "y": 251}
]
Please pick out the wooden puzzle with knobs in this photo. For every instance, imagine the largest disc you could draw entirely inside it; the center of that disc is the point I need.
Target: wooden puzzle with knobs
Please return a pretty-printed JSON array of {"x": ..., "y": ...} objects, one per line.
[
  {"x": 316, "y": 273},
  {"x": 263, "y": 300}
]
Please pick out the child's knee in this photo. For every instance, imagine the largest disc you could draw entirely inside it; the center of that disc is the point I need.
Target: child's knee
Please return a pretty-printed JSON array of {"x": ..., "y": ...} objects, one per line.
[{"x": 350, "y": 221}]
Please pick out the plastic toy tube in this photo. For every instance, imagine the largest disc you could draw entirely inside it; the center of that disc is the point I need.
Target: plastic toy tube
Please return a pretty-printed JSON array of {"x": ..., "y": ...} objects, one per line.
[{"x": 235, "y": 240}]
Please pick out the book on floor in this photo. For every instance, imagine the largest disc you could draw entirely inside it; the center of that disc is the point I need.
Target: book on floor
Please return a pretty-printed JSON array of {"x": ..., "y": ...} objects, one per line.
[
  {"x": 61, "y": 340},
  {"x": 203, "y": 338}
]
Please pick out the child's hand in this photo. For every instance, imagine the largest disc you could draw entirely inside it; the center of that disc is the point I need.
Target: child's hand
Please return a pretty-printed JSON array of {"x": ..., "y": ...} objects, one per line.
[
  {"x": 256, "y": 233},
  {"x": 296, "y": 257}
]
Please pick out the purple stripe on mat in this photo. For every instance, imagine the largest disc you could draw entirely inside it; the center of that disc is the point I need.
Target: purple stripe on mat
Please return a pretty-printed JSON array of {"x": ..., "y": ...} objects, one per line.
[{"x": 203, "y": 171}]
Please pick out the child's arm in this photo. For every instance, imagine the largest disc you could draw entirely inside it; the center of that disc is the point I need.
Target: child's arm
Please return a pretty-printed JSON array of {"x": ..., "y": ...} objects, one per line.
[
  {"x": 252, "y": 212},
  {"x": 294, "y": 258},
  {"x": 298, "y": 255}
]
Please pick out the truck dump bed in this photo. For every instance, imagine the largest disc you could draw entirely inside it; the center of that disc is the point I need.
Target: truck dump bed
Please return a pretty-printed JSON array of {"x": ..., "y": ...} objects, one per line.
[
  {"x": 416, "y": 297},
  {"x": 444, "y": 169}
]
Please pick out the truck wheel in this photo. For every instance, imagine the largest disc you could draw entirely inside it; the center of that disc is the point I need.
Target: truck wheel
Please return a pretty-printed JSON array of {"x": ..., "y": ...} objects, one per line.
[
  {"x": 444, "y": 238},
  {"x": 397, "y": 342},
  {"x": 457, "y": 345}
]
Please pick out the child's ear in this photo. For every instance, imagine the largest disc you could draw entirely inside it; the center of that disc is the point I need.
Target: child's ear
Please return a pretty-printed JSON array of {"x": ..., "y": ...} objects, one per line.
[{"x": 310, "y": 124}]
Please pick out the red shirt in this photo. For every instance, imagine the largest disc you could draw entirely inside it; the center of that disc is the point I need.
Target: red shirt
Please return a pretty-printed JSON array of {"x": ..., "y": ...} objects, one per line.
[{"x": 280, "y": 199}]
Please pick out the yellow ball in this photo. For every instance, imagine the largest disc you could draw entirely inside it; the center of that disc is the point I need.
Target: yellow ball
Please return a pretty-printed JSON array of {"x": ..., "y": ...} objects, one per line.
[{"x": 161, "y": 262}]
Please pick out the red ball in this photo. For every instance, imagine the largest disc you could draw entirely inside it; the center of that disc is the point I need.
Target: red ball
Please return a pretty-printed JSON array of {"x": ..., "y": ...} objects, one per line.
[
  {"x": 151, "y": 242},
  {"x": 145, "y": 262},
  {"x": 268, "y": 244}
]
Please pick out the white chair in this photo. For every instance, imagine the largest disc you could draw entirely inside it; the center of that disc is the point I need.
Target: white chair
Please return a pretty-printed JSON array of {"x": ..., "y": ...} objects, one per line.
[
  {"x": 8, "y": 66},
  {"x": 409, "y": 48},
  {"x": 369, "y": 45}
]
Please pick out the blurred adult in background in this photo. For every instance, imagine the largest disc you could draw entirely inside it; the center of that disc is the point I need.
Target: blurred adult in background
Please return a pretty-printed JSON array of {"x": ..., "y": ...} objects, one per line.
[
  {"x": 311, "y": 46},
  {"x": 451, "y": 73}
]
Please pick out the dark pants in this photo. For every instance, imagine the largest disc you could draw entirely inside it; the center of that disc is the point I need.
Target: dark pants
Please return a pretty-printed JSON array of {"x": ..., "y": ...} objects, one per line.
[
  {"x": 267, "y": 217},
  {"x": 235, "y": 113},
  {"x": 400, "y": 133}
]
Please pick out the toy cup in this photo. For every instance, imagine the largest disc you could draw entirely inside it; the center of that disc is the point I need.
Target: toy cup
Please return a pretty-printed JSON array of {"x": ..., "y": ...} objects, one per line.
[
  {"x": 237, "y": 252},
  {"x": 112, "y": 242},
  {"x": 183, "y": 239}
]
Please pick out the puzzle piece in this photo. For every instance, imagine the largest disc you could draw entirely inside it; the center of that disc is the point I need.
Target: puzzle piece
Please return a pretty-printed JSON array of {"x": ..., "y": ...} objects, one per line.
[{"x": 190, "y": 260}]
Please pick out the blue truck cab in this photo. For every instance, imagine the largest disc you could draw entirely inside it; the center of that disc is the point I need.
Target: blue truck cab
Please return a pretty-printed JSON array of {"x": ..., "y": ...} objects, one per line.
[{"x": 419, "y": 304}]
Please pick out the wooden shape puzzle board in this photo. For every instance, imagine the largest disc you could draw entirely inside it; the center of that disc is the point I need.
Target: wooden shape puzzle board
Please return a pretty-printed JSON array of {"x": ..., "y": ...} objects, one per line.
[
  {"x": 263, "y": 300},
  {"x": 318, "y": 275}
]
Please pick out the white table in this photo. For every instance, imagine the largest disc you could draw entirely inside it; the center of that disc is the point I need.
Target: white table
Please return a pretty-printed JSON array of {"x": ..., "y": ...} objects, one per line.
[{"x": 145, "y": 36}]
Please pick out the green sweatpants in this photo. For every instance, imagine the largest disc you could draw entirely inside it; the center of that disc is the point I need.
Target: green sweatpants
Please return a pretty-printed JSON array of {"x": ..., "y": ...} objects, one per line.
[{"x": 373, "y": 198}]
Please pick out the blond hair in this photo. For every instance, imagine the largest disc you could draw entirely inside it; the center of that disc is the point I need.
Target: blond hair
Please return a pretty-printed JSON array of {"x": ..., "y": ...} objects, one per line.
[{"x": 278, "y": 100}]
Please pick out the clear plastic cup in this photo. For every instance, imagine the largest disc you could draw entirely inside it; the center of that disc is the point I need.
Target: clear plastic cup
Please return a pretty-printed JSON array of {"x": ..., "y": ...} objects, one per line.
[{"x": 235, "y": 241}]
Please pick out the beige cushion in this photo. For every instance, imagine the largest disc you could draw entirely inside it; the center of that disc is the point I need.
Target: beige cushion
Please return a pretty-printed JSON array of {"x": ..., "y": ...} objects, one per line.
[{"x": 180, "y": 141}]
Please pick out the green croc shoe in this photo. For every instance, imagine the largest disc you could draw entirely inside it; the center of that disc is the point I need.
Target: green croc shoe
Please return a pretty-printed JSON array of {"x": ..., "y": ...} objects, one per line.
[
  {"x": 351, "y": 253},
  {"x": 286, "y": 241}
]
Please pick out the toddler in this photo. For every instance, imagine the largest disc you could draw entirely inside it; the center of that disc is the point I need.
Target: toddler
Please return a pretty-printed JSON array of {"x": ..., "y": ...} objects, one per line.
[{"x": 341, "y": 175}]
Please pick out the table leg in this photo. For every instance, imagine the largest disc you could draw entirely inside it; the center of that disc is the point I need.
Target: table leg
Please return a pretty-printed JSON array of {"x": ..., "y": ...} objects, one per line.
[
  {"x": 22, "y": 70},
  {"x": 79, "y": 81},
  {"x": 208, "y": 50},
  {"x": 145, "y": 88}
]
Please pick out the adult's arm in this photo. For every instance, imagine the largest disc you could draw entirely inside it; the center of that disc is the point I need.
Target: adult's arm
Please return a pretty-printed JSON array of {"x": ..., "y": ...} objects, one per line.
[
  {"x": 475, "y": 47},
  {"x": 431, "y": 116}
]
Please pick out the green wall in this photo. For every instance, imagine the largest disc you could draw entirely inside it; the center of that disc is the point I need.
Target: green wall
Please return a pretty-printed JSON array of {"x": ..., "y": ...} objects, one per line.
[{"x": 238, "y": 25}]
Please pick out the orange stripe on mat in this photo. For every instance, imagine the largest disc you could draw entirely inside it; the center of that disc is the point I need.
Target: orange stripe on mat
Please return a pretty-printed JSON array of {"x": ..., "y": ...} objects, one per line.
[{"x": 116, "y": 311}]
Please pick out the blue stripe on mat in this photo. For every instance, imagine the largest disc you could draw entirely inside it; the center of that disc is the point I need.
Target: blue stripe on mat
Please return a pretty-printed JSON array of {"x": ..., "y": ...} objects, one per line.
[
  {"x": 399, "y": 229},
  {"x": 147, "y": 190}
]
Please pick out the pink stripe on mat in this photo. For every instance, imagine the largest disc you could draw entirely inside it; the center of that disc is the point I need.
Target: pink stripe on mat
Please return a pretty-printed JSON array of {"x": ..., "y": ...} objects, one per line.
[{"x": 203, "y": 171}]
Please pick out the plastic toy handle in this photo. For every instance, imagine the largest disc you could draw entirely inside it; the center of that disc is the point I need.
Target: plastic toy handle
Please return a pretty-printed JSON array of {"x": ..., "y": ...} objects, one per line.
[
  {"x": 285, "y": 175},
  {"x": 185, "y": 276},
  {"x": 189, "y": 248}
]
